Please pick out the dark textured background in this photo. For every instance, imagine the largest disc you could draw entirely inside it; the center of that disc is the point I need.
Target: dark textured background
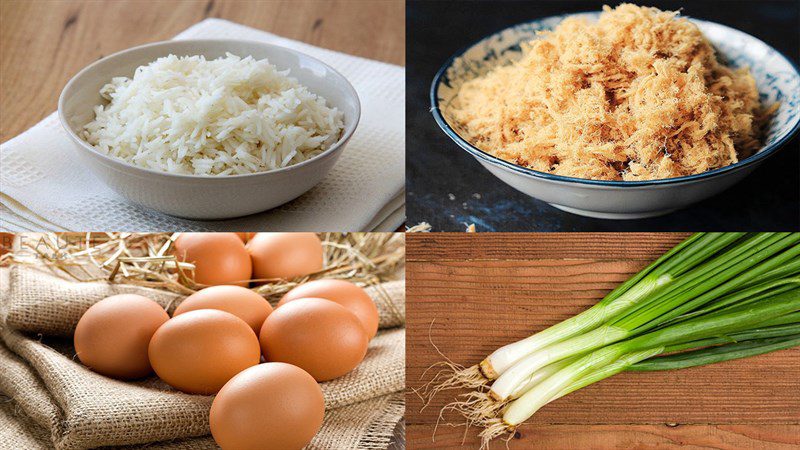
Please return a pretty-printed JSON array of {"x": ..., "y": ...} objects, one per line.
[{"x": 768, "y": 199}]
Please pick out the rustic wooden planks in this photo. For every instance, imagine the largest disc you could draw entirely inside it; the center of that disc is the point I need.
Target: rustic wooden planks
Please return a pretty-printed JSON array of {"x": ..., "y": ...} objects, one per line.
[
  {"x": 471, "y": 293},
  {"x": 572, "y": 437}
]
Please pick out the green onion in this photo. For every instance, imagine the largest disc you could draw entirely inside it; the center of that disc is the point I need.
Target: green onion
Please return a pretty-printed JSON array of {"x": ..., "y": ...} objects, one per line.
[
  {"x": 734, "y": 348},
  {"x": 714, "y": 297},
  {"x": 711, "y": 355},
  {"x": 737, "y": 265},
  {"x": 697, "y": 328},
  {"x": 680, "y": 259}
]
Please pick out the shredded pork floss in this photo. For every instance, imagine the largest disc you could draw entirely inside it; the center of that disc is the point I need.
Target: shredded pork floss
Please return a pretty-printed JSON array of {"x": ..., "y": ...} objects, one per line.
[{"x": 637, "y": 95}]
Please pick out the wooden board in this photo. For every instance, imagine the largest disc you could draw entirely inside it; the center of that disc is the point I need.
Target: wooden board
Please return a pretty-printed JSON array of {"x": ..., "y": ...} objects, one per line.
[
  {"x": 472, "y": 293},
  {"x": 43, "y": 43},
  {"x": 579, "y": 437}
]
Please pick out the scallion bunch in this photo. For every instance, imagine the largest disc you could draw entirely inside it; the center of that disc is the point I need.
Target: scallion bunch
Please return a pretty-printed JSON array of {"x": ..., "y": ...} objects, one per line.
[{"x": 714, "y": 297}]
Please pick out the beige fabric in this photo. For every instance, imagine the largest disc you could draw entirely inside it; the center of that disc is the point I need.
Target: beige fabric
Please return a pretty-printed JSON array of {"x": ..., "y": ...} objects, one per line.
[
  {"x": 390, "y": 297},
  {"x": 102, "y": 411},
  {"x": 18, "y": 432},
  {"x": 19, "y": 381},
  {"x": 42, "y": 302},
  {"x": 364, "y": 425},
  {"x": 78, "y": 408}
]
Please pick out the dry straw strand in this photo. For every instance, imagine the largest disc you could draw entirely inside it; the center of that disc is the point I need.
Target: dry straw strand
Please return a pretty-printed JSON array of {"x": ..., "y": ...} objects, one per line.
[{"x": 145, "y": 259}]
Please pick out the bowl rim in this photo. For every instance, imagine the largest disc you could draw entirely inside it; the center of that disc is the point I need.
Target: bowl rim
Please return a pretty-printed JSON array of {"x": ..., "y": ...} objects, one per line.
[
  {"x": 347, "y": 132},
  {"x": 525, "y": 171}
]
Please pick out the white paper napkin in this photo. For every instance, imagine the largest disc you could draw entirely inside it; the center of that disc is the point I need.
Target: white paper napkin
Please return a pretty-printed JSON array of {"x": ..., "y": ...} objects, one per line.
[{"x": 44, "y": 186}]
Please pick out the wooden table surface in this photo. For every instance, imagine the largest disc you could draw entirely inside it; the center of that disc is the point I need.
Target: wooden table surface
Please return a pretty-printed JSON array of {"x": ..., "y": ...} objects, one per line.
[
  {"x": 470, "y": 294},
  {"x": 43, "y": 43}
]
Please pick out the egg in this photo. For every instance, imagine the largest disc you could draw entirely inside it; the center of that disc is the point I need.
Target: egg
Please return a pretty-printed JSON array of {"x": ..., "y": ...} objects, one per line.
[
  {"x": 6, "y": 243},
  {"x": 319, "y": 336},
  {"x": 285, "y": 255},
  {"x": 219, "y": 258},
  {"x": 272, "y": 406},
  {"x": 344, "y": 293},
  {"x": 113, "y": 335},
  {"x": 239, "y": 301},
  {"x": 197, "y": 352}
]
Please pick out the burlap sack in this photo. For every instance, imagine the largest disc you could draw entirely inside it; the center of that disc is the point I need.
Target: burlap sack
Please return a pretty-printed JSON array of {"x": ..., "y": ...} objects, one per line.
[
  {"x": 81, "y": 409},
  {"x": 42, "y": 302},
  {"x": 18, "y": 432},
  {"x": 365, "y": 425}
]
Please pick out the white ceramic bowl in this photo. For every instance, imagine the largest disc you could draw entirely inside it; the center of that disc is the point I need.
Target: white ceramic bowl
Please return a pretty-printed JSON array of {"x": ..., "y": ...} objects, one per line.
[
  {"x": 206, "y": 197},
  {"x": 777, "y": 79}
]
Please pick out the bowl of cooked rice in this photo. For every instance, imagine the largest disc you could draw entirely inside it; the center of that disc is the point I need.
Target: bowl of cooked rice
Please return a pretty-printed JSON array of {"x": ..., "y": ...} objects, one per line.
[
  {"x": 209, "y": 129},
  {"x": 626, "y": 113}
]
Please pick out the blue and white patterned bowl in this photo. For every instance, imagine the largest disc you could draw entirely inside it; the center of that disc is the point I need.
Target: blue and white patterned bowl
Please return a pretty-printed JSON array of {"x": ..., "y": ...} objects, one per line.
[{"x": 776, "y": 76}]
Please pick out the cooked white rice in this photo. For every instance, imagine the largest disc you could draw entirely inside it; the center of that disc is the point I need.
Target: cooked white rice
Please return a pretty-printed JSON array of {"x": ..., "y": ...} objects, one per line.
[{"x": 228, "y": 116}]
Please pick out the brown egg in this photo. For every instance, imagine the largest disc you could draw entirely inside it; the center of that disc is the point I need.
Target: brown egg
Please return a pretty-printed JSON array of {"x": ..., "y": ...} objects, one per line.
[
  {"x": 199, "y": 351},
  {"x": 319, "y": 336},
  {"x": 285, "y": 255},
  {"x": 6, "y": 243},
  {"x": 112, "y": 336},
  {"x": 272, "y": 406},
  {"x": 344, "y": 293},
  {"x": 219, "y": 258},
  {"x": 239, "y": 301}
]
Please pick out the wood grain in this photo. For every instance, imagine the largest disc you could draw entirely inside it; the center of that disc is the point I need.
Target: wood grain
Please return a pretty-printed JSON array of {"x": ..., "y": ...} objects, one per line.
[
  {"x": 527, "y": 246},
  {"x": 44, "y": 43},
  {"x": 601, "y": 437},
  {"x": 472, "y": 293}
]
